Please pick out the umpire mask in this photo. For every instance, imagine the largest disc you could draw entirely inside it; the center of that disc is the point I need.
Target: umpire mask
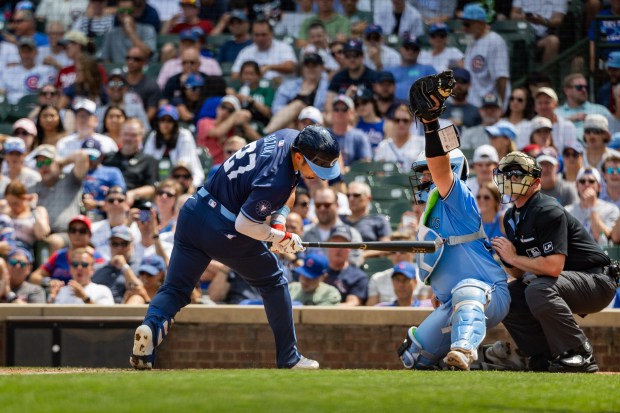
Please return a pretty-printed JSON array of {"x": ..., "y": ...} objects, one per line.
[{"x": 515, "y": 175}]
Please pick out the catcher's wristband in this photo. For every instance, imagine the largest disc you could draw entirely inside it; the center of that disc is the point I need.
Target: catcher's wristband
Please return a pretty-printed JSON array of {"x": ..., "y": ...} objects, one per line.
[{"x": 440, "y": 141}]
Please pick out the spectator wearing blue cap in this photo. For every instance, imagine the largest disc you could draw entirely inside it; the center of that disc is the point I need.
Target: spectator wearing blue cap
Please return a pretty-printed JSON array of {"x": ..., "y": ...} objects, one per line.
[
  {"x": 152, "y": 272},
  {"x": 119, "y": 95},
  {"x": 239, "y": 27},
  {"x": 551, "y": 182},
  {"x": 546, "y": 18},
  {"x": 490, "y": 113},
  {"x": 191, "y": 98},
  {"x": 318, "y": 43},
  {"x": 458, "y": 109},
  {"x": 311, "y": 288},
  {"x": 607, "y": 93},
  {"x": 572, "y": 157},
  {"x": 346, "y": 81},
  {"x": 404, "y": 281},
  {"x": 337, "y": 25},
  {"x": 15, "y": 156},
  {"x": 399, "y": 17},
  {"x": 486, "y": 57},
  {"x": 385, "y": 94},
  {"x": 189, "y": 60},
  {"x": 611, "y": 189},
  {"x": 21, "y": 291},
  {"x": 440, "y": 56},
  {"x": 376, "y": 54},
  {"x": 409, "y": 70},
  {"x": 173, "y": 143},
  {"x": 128, "y": 33},
  {"x": 187, "y": 19},
  {"x": 603, "y": 31},
  {"x": 276, "y": 58},
  {"x": 502, "y": 137}
]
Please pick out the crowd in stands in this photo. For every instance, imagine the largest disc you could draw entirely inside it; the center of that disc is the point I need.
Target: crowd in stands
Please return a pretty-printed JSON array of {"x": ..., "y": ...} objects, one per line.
[{"x": 133, "y": 104}]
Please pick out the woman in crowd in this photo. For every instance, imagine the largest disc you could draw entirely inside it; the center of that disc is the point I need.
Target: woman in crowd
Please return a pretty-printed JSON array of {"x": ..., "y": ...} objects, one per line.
[
  {"x": 252, "y": 96},
  {"x": 113, "y": 119},
  {"x": 169, "y": 140},
  {"x": 50, "y": 128},
  {"x": 49, "y": 95},
  {"x": 88, "y": 84},
  {"x": 30, "y": 224},
  {"x": 572, "y": 156},
  {"x": 168, "y": 192},
  {"x": 519, "y": 112},
  {"x": 152, "y": 272},
  {"x": 191, "y": 99},
  {"x": 368, "y": 119},
  {"x": 403, "y": 147},
  {"x": 542, "y": 133},
  {"x": 489, "y": 204}
]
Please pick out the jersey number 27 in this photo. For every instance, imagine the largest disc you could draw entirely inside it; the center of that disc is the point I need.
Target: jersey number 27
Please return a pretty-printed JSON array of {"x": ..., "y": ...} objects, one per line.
[{"x": 230, "y": 163}]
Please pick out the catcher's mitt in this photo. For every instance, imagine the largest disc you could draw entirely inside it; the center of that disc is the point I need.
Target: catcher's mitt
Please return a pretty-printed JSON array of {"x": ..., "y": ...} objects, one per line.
[{"x": 422, "y": 104}]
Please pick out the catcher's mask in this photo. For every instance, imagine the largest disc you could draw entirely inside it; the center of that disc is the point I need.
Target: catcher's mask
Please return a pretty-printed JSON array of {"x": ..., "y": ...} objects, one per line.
[
  {"x": 422, "y": 182},
  {"x": 514, "y": 175}
]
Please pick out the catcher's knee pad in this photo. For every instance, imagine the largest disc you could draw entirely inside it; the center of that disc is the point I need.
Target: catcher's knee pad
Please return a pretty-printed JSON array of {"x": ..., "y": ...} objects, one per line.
[
  {"x": 469, "y": 299},
  {"x": 413, "y": 355}
]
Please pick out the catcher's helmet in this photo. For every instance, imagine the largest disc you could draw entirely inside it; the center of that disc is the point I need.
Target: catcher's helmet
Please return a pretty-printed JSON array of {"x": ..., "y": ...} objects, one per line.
[
  {"x": 320, "y": 149},
  {"x": 421, "y": 185},
  {"x": 515, "y": 174}
]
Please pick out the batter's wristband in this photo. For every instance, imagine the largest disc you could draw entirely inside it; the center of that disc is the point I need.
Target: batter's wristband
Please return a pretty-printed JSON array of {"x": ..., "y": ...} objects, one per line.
[
  {"x": 433, "y": 147},
  {"x": 278, "y": 219}
]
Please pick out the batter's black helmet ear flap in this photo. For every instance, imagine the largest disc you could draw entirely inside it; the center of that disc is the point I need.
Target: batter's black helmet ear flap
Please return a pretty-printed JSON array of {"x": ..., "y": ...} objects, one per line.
[{"x": 320, "y": 149}]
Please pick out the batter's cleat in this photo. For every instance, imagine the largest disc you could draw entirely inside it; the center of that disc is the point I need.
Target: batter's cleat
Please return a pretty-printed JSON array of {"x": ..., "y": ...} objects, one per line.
[
  {"x": 143, "y": 354},
  {"x": 460, "y": 359},
  {"x": 305, "y": 363}
]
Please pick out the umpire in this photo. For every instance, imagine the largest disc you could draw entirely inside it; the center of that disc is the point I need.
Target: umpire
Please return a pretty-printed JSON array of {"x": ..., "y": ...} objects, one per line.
[{"x": 559, "y": 271}]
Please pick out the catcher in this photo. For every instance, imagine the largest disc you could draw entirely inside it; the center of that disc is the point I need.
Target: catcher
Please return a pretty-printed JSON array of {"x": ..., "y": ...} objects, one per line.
[{"x": 470, "y": 288}]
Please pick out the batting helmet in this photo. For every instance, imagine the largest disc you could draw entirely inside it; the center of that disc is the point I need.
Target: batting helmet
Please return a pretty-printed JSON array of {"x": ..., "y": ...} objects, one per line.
[{"x": 320, "y": 150}]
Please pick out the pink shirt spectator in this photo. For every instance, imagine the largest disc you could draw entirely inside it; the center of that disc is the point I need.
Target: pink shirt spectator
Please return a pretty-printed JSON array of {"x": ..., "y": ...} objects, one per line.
[
  {"x": 173, "y": 67},
  {"x": 215, "y": 147}
]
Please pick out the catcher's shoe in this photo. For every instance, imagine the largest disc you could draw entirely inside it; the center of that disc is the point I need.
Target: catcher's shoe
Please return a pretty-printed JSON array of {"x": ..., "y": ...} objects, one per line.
[
  {"x": 460, "y": 358},
  {"x": 143, "y": 354},
  {"x": 305, "y": 363}
]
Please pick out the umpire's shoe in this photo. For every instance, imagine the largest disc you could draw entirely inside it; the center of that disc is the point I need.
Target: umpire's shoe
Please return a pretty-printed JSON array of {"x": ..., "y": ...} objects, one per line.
[
  {"x": 579, "y": 360},
  {"x": 305, "y": 363}
]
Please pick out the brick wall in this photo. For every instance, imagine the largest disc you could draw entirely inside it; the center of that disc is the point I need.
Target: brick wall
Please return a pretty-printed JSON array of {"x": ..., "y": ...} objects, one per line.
[{"x": 239, "y": 337}]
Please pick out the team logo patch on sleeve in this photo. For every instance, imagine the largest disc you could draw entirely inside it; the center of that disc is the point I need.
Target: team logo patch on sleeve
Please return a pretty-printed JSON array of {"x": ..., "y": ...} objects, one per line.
[
  {"x": 547, "y": 247},
  {"x": 263, "y": 208},
  {"x": 533, "y": 252}
]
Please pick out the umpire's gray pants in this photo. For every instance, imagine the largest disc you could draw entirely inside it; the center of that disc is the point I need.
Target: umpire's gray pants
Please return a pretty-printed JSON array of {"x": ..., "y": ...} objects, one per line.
[{"x": 540, "y": 319}]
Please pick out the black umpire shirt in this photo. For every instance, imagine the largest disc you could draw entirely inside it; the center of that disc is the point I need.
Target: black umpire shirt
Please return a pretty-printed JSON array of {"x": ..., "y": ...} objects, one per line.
[{"x": 543, "y": 227}]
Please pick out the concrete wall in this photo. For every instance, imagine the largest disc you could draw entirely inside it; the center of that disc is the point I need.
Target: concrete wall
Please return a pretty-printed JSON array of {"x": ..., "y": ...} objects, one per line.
[{"x": 239, "y": 336}]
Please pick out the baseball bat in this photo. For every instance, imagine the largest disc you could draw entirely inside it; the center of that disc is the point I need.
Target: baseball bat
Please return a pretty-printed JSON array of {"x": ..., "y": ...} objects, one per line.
[{"x": 392, "y": 246}]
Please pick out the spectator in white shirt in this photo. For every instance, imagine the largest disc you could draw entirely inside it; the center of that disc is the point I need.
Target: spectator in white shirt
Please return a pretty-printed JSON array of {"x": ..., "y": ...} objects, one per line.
[{"x": 376, "y": 54}]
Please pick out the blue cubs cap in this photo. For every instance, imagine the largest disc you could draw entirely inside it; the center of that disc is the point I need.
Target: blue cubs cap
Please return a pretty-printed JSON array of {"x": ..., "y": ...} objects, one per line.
[
  {"x": 343, "y": 231},
  {"x": 438, "y": 27},
  {"x": 373, "y": 28},
  {"x": 13, "y": 144},
  {"x": 490, "y": 100},
  {"x": 353, "y": 46},
  {"x": 502, "y": 128},
  {"x": 474, "y": 12},
  {"x": 92, "y": 147},
  {"x": 461, "y": 74},
  {"x": 23, "y": 251},
  {"x": 613, "y": 60},
  {"x": 320, "y": 149},
  {"x": 314, "y": 266},
  {"x": 152, "y": 265},
  {"x": 410, "y": 40},
  {"x": 168, "y": 110},
  {"x": 188, "y": 34},
  {"x": 405, "y": 268},
  {"x": 122, "y": 232},
  {"x": 385, "y": 76},
  {"x": 239, "y": 15},
  {"x": 194, "y": 80}
]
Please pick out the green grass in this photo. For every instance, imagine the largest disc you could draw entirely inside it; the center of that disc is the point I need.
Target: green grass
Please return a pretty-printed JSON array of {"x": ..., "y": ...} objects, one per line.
[{"x": 328, "y": 391}]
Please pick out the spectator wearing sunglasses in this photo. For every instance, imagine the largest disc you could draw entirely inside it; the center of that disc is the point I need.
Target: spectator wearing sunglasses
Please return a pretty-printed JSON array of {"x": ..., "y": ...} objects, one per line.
[
  {"x": 119, "y": 274},
  {"x": 169, "y": 141},
  {"x": 441, "y": 56},
  {"x": 167, "y": 193},
  {"x": 399, "y": 17},
  {"x": 116, "y": 209},
  {"x": 152, "y": 271},
  {"x": 489, "y": 204},
  {"x": 98, "y": 180},
  {"x": 95, "y": 21},
  {"x": 191, "y": 99},
  {"x": 232, "y": 145},
  {"x": 598, "y": 217},
  {"x": 596, "y": 137},
  {"x": 551, "y": 182},
  {"x": 410, "y": 69},
  {"x": 19, "y": 264},
  {"x": 182, "y": 174},
  {"x": 80, "y": 289},
  {"x": 572, "y": 156},
  {"x": 545, "y": 105},
  {"x": 15, "y": 157},
  {"x": 577, "y": 106},
  {"x": 137, "y": 82},
  {"x": 458, "y": 109},
  {"x": 57, "y": 269},
  {"x": 119, "y": 95},
  {"x": 376, "y": 54}
]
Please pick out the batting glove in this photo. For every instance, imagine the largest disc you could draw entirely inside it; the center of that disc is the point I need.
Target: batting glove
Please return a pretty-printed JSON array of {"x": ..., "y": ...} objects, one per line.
[{"x": 290, "y": 244}]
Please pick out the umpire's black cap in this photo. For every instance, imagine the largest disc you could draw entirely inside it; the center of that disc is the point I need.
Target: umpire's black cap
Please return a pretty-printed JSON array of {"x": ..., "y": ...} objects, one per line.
[{"x": 320, "y": 149}]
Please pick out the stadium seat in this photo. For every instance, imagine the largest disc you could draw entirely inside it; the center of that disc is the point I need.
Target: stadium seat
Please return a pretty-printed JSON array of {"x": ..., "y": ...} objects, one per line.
[
  {"x": 374, "y": 168},
  {"x": 153, "y": 69},
  {"x": 392, "y": 180},
  {"x": 6, "y": 128},
  {"x": 353, "y": 177},
  {"x": 396, "y": 211},
  {"x": 373, "y": 265},
  {"x": 226, "y": 68},
  {"x": 111, "y": 66},
  {"x": 387, "y": 193},
  {"x": 613, "y": 252},
  {"x": 162, "y": 39},
  {"x": 205, "y": 159},
  {"x": 215, "y": 42},
  {"x": 23, "y": 107}
]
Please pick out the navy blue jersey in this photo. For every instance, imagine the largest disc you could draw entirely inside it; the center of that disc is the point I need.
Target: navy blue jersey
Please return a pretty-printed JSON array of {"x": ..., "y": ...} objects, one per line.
[{"x": 259, "y": 178}]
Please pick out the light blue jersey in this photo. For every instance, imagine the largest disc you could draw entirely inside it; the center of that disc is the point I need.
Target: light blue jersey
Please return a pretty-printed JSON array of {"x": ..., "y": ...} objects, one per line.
[{"x": 457, "y": 214}]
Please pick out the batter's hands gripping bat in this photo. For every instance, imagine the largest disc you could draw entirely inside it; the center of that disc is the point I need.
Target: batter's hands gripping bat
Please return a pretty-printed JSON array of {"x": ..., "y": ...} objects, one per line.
[{"x": 391, "y": 246}]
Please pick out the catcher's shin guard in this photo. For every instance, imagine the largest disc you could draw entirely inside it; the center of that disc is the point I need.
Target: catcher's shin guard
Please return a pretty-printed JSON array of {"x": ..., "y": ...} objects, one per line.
[
  {"x": 413, "y": 355},
  {"x": 469, "y": 299},
  {"x": 146, "y": 339}
]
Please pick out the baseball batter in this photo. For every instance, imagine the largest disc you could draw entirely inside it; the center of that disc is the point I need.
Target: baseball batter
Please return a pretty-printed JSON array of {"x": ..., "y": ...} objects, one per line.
[
  {"x": 470, "y": 288},
  {"x": 226, "y": 221}
]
